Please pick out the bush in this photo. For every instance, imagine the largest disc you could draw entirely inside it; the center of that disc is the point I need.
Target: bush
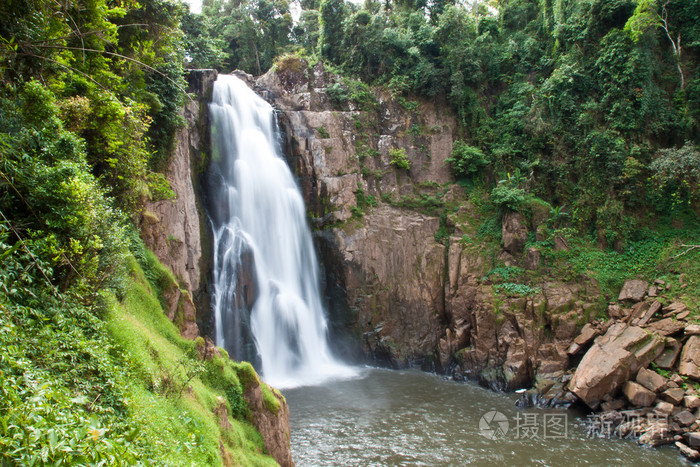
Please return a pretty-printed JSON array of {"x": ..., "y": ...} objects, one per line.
[
  {"x": 399, "y": 158},
  {"x": 466, "y": 160}
]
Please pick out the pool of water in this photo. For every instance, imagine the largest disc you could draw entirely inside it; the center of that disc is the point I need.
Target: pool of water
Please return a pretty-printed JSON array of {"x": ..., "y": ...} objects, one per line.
[{"x": 402, "y": 418}]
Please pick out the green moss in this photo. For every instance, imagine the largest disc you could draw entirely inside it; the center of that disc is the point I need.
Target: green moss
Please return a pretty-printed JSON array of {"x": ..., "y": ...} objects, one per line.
[{"x": 269, "y": 399}]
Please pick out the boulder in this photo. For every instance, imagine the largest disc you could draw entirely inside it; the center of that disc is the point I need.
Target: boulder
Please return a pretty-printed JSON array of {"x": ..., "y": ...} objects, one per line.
[
  {"x": 651, "y": 380},
  {"x": 688, "y": 452},
  {"x": 690, "y": 358},
  {"x": 612, "y": 360},
  {"x": 637, "y": 394},
  {"x": 673, "y": 395},
  {"x": 693, "y": 438},
  {"x": 685, "y": 418},
  {"x": 666, "y": 327},
  {"x": 691, "y": 402},
  {"x": 633, "y": 290},
  {"x": 588, "y": 333},
  {"x": 656, "y": 434},
  {"x": 514, "y": 232},
  {"x": 692, "y": 330},
  {"x": 663, "y": 409},
  {"x": 669, "y": 355},
  {"x": 653, "y": 309}
]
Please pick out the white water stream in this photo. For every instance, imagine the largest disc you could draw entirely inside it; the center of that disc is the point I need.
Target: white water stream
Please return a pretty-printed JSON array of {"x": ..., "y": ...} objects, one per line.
[{"x": 262, "y": 215}]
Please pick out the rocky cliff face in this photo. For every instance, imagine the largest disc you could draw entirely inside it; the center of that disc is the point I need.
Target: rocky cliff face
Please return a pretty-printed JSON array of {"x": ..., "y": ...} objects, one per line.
[
  {"x": 173, "y": 229},
  {"x": 404, "y": 271}
]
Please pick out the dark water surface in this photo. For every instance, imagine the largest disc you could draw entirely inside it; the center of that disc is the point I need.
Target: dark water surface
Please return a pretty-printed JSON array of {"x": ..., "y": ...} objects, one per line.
[{"x": 412, "y": 418}]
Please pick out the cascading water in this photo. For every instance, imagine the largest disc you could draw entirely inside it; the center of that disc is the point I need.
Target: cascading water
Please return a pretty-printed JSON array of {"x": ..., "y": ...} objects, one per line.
[{"x": 266, "y": 299}]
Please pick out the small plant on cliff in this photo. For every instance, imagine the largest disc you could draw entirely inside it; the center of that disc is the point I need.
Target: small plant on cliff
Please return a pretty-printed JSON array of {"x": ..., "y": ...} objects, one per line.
[{"x": 399, "y": 158}]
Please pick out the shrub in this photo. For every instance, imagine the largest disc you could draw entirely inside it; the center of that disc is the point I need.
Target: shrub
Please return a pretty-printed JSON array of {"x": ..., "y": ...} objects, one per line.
[
  {"x": 466, "y": 160},
  {"x": 399, "y": 158}
]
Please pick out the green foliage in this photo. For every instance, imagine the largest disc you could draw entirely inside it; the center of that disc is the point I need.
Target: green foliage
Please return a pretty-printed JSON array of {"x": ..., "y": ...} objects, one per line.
[
  {"x": 399, "y": 159},
  {"x": 466, "y": 160},
  {"x": 322, "y": 132},
  {"x": 515, "y": 290}
]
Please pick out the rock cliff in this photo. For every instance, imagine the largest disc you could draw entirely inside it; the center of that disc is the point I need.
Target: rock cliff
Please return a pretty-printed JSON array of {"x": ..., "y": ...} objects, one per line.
[{"x": 405, "y": 272}]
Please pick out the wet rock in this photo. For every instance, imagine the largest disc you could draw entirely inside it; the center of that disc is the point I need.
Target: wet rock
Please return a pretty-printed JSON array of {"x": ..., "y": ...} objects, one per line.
[
  {"x": 690, "y": 359},
  {"x": 651, "y": 380},
  {"x": 615, "y": 404},
  {"x": 693, "y": 438},
  {"x": 637, "y": 394},
  {"x": 633, "y": 290},
  {"x": 669, "y": 355},
  {"x": 612, "y": 360},
  {"x": 688, "y": 452},
  {"x": 656, "y": 434},
  {"x": 514, "y": 232}
]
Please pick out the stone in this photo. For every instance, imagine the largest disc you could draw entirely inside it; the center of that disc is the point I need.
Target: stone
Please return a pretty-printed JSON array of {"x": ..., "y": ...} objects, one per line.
[
  {"x": 685, "y": 418},
  {"x": 612, "y": 360},
  {"x": 688, "y": 452},
  {"x": 651, "y": 380},
  {"x": 669, "y": 355},
  {"x": 615, "y": 404},
  {"x": 676, "y": 378},
  {"x": 637, "y": 394},
  {"x": 663, "y": 408},
  {"x": 673, "y": 395},
  {"x": 693, "y": 438},
  {"x": 633, "y": 290},
  {"x": 272, "y": 426},
  {"x": 674, "y": 308},
  {"x": 653, "y": 309},
  {"x": 615, "y": 311},
  {"x": 514, "y": 232},
  {"x": 638, "y": 312},
  {"x": 588, "y": 333},
  {"x": 533, "y": 259},
  {"x": 659, "y": 282},
  {"x": 692, "y": 330},
  {"x": 653, "y": 291},
  {"x": 690, "y": 359},
  {"x": 656, "y": 434},
  {"x": 683, "y": 315},
  {"x": 666, "y": 327}
]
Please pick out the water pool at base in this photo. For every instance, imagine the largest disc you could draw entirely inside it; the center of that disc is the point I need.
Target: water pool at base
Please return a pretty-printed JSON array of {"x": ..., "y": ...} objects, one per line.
[{"x": 411, "y": 418}]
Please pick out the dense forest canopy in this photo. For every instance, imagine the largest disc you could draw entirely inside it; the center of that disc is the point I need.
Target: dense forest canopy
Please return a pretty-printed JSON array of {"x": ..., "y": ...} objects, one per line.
[{"x": 596, "y": 103}]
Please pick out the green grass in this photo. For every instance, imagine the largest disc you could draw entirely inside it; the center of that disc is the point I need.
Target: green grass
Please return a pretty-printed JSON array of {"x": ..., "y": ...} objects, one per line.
[{"x": 172, "y": 394}]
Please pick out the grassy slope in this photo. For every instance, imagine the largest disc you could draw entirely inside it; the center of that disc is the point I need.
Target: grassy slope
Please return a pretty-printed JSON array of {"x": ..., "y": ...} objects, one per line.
[{"x": 176, "y": 414}]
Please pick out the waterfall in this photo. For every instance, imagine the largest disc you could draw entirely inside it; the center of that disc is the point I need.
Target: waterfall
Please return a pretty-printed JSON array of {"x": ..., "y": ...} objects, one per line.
[{"x": 265, "y": 299}]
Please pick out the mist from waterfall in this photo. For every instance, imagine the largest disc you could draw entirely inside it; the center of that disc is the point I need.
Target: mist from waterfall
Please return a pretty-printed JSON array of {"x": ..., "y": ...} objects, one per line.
[{"x": 266, "y": 298}]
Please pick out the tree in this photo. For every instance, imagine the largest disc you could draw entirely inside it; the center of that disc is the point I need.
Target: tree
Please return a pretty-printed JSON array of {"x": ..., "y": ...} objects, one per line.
[{"x": 647, "y": 16}]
